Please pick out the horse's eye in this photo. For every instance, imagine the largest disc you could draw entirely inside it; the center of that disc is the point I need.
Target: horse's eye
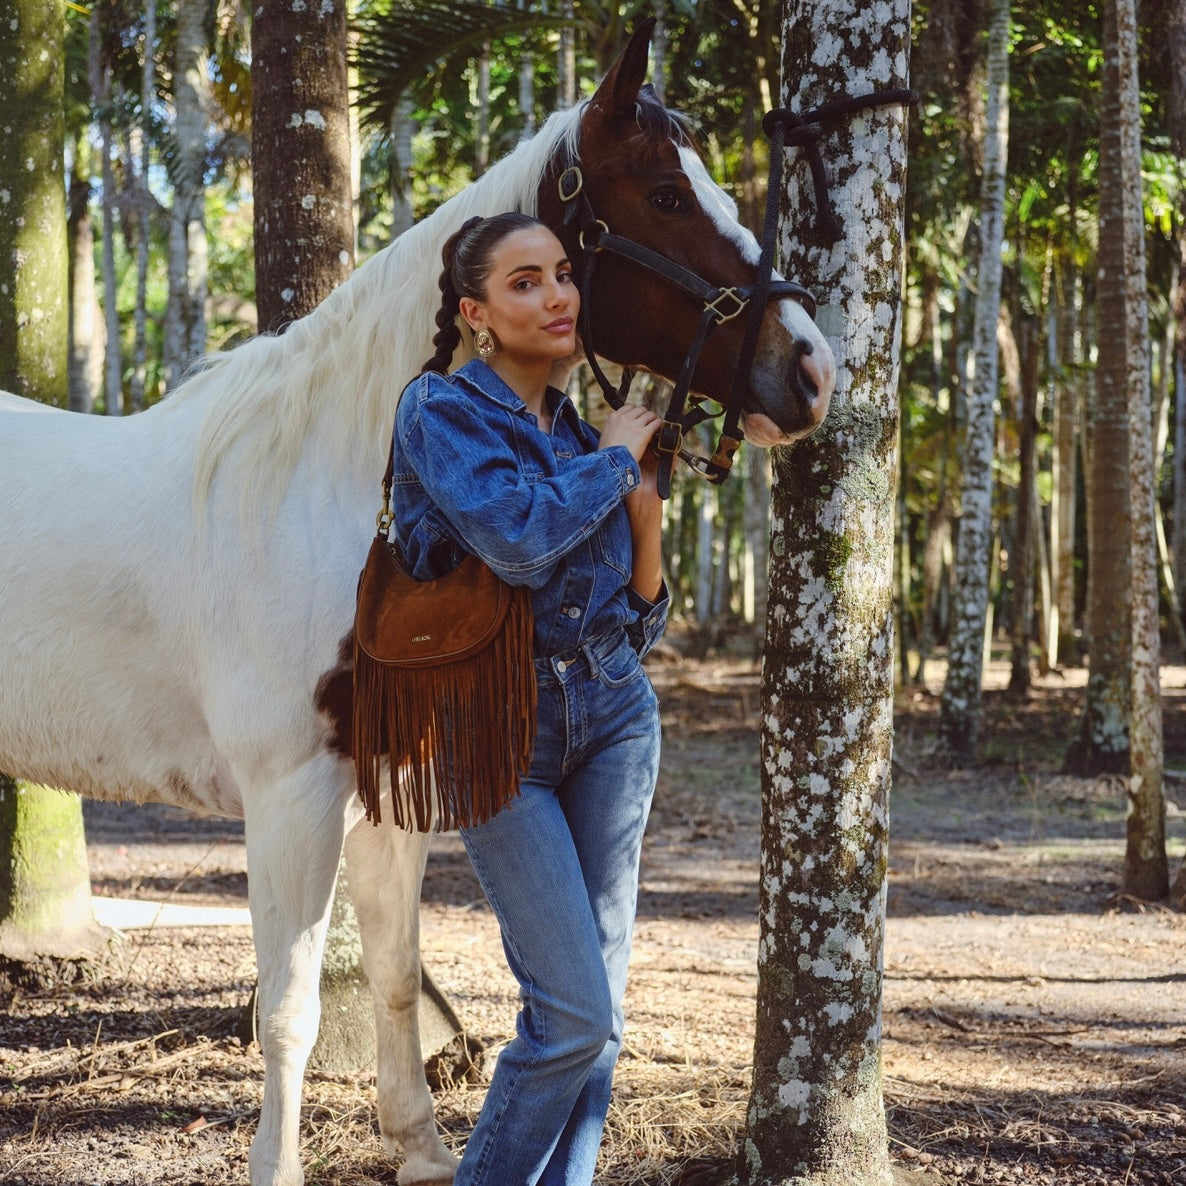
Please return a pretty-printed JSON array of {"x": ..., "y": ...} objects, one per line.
[{"x": 667, "y": 200}]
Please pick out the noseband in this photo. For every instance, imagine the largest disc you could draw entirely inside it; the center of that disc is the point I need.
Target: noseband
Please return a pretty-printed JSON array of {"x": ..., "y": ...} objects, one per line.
[{"x": 720, "y": 304}]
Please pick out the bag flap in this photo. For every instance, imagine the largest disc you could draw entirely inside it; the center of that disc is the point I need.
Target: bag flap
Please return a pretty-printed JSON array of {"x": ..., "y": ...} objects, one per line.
[{"x": 412, "y": 623}]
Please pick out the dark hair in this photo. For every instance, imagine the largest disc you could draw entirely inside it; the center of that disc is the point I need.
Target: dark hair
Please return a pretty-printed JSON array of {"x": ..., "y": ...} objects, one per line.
[{"x": 467, "y": 257}]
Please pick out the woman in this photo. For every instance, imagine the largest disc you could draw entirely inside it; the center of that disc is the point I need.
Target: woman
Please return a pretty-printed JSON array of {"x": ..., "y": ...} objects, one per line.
[{"x": 494, "y": 460}]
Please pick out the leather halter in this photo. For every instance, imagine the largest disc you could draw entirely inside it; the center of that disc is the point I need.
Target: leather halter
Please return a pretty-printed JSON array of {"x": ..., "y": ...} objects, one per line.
[{"x": 720, "y": 303}]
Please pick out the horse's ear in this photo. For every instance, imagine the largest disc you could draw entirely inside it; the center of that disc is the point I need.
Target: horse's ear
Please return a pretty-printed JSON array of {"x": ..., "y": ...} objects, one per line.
[{"x": 619, "y": 89}]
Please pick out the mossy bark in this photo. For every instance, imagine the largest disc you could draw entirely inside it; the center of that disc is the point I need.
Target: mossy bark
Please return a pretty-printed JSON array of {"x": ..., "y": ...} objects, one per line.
[
  {"x": 816, "y": 1116},
  {"x": 33, "y": 257},
  {"x": 45, "y": 893},
  {"x": 45, "y": 889}
]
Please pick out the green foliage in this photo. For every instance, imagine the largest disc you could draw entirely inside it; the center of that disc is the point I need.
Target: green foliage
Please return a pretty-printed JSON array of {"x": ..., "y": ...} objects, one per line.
[
  {"x": 413, "y": 46},
  {"x": 722, "y": 70}
]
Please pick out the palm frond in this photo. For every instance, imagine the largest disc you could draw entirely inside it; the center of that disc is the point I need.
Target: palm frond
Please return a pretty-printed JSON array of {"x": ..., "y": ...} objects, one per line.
[{"x": 399, "y": 47}]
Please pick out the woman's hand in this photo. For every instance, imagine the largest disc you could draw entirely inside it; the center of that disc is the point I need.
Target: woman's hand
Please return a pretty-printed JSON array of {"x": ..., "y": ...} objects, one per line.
[{"x": 631, "y": 426}]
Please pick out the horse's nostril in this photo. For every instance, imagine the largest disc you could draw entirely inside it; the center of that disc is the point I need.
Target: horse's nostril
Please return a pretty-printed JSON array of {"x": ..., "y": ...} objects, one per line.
[{"x": 801, "y": 379}]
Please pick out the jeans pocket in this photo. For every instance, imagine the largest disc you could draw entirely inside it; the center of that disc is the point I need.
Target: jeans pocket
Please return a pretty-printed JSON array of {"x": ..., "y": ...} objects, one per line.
[{"x": 620, "y": 667}]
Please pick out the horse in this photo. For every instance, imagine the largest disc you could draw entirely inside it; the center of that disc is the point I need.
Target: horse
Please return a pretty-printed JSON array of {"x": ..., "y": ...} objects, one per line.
[{"x": 179, "y": 586}]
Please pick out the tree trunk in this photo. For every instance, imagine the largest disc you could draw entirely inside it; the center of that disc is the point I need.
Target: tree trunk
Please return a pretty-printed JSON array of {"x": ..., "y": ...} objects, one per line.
[
  {"x": 99, "y": 71},
  {"x": 756, "y": 512},
  {"x": 300, "y": 153},
  {"x": 960, "y": 708},
  {"x": 659, "y": 49},
  {"x": 304, "y": 248},
  {"x": 45, "y": 893},
  {"x": 46, "y": 917},
  {"x": 706, "y": 522},
  {"x": 1122, "y": 267},
  {"x": 482, "y": 103},
  {"x": 402, "y": 131},
  {"x": 185, "y": 319},
  {"x": 815, "y": 1115},
  {"x": 566, "y": 58},
  {"x": 1021, "y": 564},
  {"x": 137, "y": 196},
  {"x": 1102, "y": 745},
  {"x": 526, "y": 91},
  {"x": 1064, "y": 471},
  {"x": 84, "y": 331},
  {"x": 33, "y": 264},
  {"x": 1176, "y": 26}
]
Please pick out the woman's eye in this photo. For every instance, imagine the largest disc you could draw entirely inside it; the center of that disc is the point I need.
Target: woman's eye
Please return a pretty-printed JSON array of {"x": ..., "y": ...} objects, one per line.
[
  {"x": 667, "y": 201},
  {"x": 564, "y": 277}
]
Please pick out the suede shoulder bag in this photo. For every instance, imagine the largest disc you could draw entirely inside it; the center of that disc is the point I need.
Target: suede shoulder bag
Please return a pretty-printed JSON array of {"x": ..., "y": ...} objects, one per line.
[{"x": 444, "y": 687}]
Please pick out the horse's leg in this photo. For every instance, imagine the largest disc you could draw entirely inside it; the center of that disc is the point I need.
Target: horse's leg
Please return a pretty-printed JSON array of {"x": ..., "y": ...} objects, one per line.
[
  {"x": 293, "y": 830},
  {"x": 384, "y": 868}
]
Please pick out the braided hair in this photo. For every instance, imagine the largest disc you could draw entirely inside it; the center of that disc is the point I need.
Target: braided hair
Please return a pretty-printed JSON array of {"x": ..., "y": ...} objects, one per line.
[{"x": 467, "y": 257}]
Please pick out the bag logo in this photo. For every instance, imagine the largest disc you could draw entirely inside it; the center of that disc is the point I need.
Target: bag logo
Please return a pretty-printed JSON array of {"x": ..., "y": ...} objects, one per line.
[{"x": 421, "y": 637}]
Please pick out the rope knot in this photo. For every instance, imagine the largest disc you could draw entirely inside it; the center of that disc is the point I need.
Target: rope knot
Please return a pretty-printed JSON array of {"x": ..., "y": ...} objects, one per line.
[{"x": 789, "y": 129}]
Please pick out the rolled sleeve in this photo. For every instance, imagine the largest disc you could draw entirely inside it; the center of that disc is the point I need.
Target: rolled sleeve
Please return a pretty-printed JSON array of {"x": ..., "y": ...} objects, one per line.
[{"x": 648, "y": 628}]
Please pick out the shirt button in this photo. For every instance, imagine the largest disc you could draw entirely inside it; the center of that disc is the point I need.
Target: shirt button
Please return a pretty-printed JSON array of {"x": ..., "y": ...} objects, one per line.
[
  {"x": 572, "y": 612},
  {"x": 629, "y": 479},
  {"x": 562, "y": 665}
]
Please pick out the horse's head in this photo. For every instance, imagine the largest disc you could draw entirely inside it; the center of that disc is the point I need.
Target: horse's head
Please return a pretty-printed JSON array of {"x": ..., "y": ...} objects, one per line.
[{"x": 644, "y": 179}]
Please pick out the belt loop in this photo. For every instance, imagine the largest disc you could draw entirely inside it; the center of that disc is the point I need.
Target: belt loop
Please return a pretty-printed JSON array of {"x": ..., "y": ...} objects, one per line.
[{"x": 586, "y": 649}]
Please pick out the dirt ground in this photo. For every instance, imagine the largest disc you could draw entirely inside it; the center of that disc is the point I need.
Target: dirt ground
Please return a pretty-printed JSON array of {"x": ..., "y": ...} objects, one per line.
[{"x": 1035, "y": 1020}]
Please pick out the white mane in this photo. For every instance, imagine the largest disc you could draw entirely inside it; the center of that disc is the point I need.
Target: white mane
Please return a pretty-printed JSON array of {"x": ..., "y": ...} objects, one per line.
[{"x": 332, "y": 380}]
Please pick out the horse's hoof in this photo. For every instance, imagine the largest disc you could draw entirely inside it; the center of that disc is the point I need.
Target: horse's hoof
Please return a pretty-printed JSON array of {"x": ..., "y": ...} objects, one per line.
[{"x": 421, "y": 1171}]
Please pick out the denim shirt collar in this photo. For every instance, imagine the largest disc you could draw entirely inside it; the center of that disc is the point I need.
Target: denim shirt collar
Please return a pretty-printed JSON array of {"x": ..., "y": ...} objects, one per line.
[{"x": 479, "y": 378}]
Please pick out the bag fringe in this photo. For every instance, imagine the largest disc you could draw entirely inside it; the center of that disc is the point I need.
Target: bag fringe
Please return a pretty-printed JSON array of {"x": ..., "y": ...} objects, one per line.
[{"x": 457, "y": 737}]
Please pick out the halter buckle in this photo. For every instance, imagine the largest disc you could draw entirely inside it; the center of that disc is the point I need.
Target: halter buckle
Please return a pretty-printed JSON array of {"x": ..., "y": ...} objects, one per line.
[
  {"x": 670, "y": 438},
  {"x": 603, "y": 229},
  {"x": 722, "y": 459},
  {"x": 575, "y": 178},
  {"x": 713, "y": 306}
]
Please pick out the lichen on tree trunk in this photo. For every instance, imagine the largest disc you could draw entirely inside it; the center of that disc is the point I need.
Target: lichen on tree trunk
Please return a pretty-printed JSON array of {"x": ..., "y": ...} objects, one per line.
[{"x": 816, "y": 1116}]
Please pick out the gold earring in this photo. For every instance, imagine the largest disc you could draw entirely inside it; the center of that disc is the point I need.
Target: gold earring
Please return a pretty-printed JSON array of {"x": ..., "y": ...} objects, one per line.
[{"x": 484, "y": 343}]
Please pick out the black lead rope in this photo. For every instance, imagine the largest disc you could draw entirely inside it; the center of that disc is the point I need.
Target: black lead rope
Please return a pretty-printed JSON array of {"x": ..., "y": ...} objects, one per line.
[{"x": 786, "y": 129}]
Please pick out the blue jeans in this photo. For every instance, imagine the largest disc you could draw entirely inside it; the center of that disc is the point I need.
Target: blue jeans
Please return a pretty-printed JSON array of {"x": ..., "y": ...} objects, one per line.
[{"x": 559, "y": 867}]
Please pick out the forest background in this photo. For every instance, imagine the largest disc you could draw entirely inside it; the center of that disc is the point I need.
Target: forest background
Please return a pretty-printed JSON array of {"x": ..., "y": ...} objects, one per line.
[
  {"x": 160, "y": 228},
  {"x": 1028, "y": 157}
]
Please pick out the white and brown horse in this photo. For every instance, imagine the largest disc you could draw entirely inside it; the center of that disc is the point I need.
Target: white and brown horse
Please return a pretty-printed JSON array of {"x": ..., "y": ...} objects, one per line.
[{"x": 175, "y": 587}]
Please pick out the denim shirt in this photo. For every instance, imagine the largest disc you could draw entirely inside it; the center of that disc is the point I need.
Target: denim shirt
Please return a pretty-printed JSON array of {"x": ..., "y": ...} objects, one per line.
[{"x": 475, "y": 472}]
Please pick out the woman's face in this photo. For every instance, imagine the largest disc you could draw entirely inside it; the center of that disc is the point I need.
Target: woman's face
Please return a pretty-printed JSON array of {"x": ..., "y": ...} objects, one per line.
[{"x": 531, "y": 301}]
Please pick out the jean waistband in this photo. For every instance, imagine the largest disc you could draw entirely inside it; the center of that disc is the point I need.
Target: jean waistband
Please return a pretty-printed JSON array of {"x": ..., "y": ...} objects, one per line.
[{"x": 593, "y": 652}]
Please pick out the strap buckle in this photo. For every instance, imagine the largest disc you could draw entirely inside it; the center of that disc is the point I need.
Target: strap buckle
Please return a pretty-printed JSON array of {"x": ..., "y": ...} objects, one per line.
[
  {"x": 572, "y": 176},
  {"x": 670, "y": 438},
  {"x": 714, "y": 306}
]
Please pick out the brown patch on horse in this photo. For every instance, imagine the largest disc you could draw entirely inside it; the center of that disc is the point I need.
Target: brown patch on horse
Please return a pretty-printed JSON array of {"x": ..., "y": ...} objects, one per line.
[{"x": 334, "y": 699}]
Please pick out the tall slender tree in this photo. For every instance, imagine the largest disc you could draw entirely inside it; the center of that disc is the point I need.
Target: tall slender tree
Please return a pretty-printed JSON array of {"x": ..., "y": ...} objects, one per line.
[
  {"x": 960, "y": 708},
  {"x": 45, "y": 893},
  {"x": 1175, "y": 15},
  {"x": 815, "y": 1114},
  {"x": 185, "y": 318},
  {"x": 1124, "y": 369}
]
